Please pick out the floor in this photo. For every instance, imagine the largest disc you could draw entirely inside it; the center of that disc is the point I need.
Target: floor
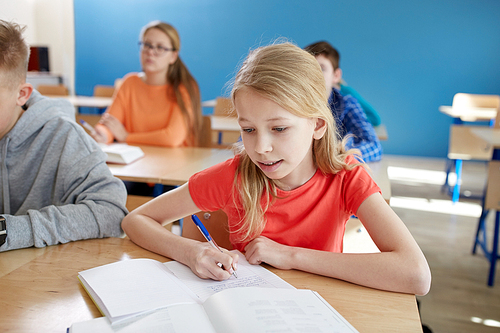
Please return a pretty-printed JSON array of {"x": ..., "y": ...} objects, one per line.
[{"x": 459, "y": 299}]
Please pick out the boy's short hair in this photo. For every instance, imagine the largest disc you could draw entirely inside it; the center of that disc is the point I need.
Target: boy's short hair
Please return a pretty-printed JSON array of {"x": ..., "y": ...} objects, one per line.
[
  {"x": 14, "y": 53},
  {"x": 324, "y": 48}
]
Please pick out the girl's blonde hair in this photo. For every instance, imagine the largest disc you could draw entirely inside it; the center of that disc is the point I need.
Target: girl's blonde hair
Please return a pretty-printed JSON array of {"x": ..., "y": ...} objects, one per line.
[
  {"x": 178, "y": 75},
  {"x": 292, "y": 78}
]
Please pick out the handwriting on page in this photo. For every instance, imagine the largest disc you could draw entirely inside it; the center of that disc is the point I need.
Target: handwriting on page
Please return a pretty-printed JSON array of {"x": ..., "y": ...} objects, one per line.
[{"x": 248, "y": 276}]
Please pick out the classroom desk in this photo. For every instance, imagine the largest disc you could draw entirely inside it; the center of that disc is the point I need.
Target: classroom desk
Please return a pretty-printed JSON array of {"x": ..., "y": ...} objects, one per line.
[
  {"x": 169, "y": 166},
  {"x": 469, "y": 114},
  {"x": 230, "y": 124},
  {"x": 174, "y": 166},
  {"x": 87, "y": 101},
  {"x": 41, "y": 293}
]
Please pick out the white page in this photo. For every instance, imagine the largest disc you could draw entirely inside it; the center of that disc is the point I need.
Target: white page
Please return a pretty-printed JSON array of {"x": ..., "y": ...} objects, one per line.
[
  {"x": 184, "y": 318},
  {"x": 253, "y": 310},
  {"x": 133, "y": 286},
  {"x": 248, "y": 276}
]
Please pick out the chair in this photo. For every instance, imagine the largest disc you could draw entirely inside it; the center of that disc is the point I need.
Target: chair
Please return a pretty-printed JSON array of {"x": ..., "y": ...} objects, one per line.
[
  {"x": 491, "y": 201},
  {"x": 205, "y": 139},
  {"x": 224, "y": 108},
  {"x": 463, "y": 144},
  {"x": 103, "y": 91},
  {"x": 53, "y": 89},
  {"x": 216, "y": 224}
]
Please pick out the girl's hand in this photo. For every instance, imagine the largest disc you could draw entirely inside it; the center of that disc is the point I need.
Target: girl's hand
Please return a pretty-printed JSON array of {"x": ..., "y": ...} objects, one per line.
[
  {"x": 262, "y": 249},
  {"x": 115, "y": 126},
  {"x": 205, "y": 260},
  {"x": 99, "y": 135}
]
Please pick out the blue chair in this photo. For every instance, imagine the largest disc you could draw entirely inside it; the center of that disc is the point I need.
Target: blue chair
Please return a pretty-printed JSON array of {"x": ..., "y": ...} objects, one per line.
[{"x": 463, "y": 145}]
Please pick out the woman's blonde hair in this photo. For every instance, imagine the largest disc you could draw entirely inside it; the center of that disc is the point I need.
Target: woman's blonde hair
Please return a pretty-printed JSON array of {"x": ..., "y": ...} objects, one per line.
[
  {"x": 292, "y": 78},
  {"x": 178, "y": 75}
]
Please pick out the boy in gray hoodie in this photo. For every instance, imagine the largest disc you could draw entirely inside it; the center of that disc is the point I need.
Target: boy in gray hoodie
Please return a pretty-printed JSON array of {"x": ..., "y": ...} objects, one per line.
[{"x": 55, "y": 186}]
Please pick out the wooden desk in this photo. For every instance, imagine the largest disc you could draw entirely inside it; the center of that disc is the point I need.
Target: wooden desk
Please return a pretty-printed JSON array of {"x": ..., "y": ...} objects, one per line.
[
  {"x": 469, "y": 114},
  {"x": 43, "y": 293},
  {"x": 87, "y": 101},
  {"x": 169, "y": 166},
  {"x": 174, "y": 166}
]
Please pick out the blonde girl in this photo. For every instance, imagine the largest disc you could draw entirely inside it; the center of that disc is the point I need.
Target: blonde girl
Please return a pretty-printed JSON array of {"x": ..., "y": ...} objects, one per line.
[
  {"x": 289, "y": 190},
  {"x": 160, "y": 106}
]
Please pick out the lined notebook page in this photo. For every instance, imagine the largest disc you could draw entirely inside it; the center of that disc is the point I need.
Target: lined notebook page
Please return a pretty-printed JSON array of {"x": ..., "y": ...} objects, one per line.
[{"x": 248, "y": 276}]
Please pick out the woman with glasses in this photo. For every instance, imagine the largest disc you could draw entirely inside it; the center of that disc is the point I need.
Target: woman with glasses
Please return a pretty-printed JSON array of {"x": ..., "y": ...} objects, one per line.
[{"x": 160, "y": 106}]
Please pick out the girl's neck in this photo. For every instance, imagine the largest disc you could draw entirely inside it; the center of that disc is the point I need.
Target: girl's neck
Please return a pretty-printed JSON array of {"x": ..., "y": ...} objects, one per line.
[{"x": 155, "y": 79}]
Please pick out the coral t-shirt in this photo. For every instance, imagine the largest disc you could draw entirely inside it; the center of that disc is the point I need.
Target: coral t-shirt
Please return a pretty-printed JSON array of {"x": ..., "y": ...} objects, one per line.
[
  {"x": 311, "y": 216},
  {"x": 150, "y": 113}
]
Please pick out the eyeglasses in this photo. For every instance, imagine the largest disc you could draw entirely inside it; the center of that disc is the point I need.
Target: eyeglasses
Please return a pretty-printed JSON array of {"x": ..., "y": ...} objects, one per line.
[{"x": 157, "y": 50}]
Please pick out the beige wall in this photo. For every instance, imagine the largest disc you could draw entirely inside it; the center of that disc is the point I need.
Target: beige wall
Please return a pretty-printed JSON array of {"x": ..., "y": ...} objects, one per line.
[{"x": 49, "y": 23}]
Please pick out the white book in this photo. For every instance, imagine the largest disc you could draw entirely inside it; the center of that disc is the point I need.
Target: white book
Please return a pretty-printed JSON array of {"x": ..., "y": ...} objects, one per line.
[
  {"x": 121, "y": 153},
  {"x": 242, "y": 310},
  {"x": 126, "y": 290}
]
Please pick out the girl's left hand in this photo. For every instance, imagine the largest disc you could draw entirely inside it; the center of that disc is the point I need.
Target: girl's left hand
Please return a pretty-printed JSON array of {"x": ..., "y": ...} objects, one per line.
[
  {"x": 115, "y": 126},
  {"x": 263, "y": 249}
]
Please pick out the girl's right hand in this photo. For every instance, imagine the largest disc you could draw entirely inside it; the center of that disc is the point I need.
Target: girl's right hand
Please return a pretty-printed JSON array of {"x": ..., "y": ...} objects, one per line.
[
  {"x": 205, "y": 259},
  {"x": 99, "y": 134}
]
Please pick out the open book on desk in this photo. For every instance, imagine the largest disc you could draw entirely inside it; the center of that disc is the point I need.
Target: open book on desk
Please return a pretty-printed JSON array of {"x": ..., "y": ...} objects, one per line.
[
  {"x": 121, "y": 153},
  {"x": 242, "y": 310},
  {"x": 126, "y": 290}
]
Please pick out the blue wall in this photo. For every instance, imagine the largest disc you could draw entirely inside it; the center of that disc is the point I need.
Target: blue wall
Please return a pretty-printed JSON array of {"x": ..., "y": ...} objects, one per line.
[{"x": 406, "y": 58}]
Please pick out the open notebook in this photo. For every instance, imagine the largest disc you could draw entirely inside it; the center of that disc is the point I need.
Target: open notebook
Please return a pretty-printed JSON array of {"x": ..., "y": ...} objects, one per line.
[
  {"x": 144, "y": 295},
  {"x": 121, "y": 153},
  {"x": 128, "y": 289}
]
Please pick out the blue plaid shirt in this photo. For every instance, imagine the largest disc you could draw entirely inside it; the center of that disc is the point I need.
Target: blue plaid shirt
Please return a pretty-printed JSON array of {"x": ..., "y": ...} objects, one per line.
[{"x": 351, "y": 119}]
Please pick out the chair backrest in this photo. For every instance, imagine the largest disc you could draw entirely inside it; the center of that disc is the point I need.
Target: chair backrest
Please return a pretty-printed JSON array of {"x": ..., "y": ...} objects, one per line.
[
  {"x": 216, "y": 224},
  {"x": 497, "y": 120},
  {"x": 224, "y": 107},
  {"x": 205, "y": 138},
  {"x": 103, "y": 91},
  {"x": 52, "y": 89},
  {"x": 462, "y": 100}
]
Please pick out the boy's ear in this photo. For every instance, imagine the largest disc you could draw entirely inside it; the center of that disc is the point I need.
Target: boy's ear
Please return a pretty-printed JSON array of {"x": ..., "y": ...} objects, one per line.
[
  {"x": 337, "y": 76},
  {"x": 320, "y": 129},
  {"x": 24, "y": 93}
]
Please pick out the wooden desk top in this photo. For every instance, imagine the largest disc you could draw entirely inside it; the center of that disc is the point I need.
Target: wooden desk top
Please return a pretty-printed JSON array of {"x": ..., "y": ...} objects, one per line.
[
  {"x": 174, "y": 166},
  {"x": 469, "y": 114},
  {"x": 169, "y": 166},
  {"x": 86, "y": 101},
  {"x": 43, "y": 294}
]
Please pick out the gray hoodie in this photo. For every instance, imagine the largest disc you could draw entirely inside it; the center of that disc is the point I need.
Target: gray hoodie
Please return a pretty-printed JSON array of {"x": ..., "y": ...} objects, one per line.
[{"x": 55, "y": 185}]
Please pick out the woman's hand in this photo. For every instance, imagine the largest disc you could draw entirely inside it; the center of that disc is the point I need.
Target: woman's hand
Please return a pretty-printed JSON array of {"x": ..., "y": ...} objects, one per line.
[
  {"x": 262, "y": 249},
  {"x": 115, "y": 126},
  {"x": 205, "y": 262}
]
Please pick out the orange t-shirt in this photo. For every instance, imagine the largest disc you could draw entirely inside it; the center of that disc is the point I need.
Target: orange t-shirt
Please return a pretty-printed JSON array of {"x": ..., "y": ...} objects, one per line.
[
  {"x": 148, "y": 113},
  {"x": 311, "y": 216}
]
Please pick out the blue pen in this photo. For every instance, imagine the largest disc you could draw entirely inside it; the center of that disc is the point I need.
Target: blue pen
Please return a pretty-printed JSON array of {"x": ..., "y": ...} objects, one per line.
[{"x": 209, "y": 239}]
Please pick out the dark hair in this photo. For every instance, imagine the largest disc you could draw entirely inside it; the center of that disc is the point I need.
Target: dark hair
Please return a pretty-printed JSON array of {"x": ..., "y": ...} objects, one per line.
[{"x": 324, "y": 48}]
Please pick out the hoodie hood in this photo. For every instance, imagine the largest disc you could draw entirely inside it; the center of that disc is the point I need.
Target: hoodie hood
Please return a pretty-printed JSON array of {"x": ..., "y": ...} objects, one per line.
[{"x": 39, "y": 110}]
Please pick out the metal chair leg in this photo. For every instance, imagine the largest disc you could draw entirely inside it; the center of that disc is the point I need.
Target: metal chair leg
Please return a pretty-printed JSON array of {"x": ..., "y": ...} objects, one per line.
[{"x": 456, "y": 188}]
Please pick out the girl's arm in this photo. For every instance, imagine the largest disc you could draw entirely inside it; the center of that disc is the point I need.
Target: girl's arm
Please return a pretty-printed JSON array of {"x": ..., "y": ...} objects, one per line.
[
  {"x": 400, "y": 266},
  {"x": 144, "y": 226}
]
